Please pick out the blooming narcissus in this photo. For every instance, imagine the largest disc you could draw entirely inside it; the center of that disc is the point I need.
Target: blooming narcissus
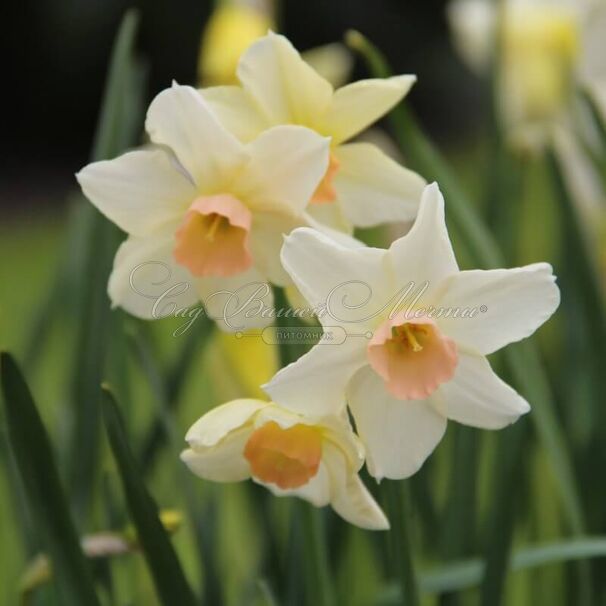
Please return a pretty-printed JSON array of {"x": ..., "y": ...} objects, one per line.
[
  {"x": 419, "y": 331},
  {"x": 205, "y": 213},
  {"x": 361, "y": 185},
  {"x": 316, "y": 460},
  {"x": 548, "y": 47}
]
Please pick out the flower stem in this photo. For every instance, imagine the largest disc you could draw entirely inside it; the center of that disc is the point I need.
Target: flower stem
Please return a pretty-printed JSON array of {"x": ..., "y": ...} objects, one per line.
[
  {"x": 398, "y": 505},
  {"x": 319, "y": 581}
]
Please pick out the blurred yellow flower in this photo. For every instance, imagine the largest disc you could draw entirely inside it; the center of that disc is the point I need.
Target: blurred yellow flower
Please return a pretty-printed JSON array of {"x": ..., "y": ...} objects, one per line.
[
  {"x": 250, "y": 359},
  {"x": 315, "y": 459},
  {"x": 235, "y": 24},
  {"x": 231, "y": 29}
]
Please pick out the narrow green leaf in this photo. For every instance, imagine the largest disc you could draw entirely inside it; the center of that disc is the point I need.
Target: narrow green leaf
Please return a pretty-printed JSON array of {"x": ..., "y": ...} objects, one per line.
[
  {"x": 198, "y": 336},
  {"x": 201, "y": 518},
  {"x": 524, "y": 360},
  {"x": 266, "y": 596},
  {"x": 319, "y": 586},
  {"x": 502, "y": 513},
  {"x": 35, "y": 461},
  {"x": 582, "y": 277},
  {"x": 118, "y": 128},
  {"x": 458, "y": 531},
  {"x": 399, "y": 540},
  {"x": 161, "y": 558},
  {"x": 466, "y": 574},
  {"x": 119, "y": 120}
]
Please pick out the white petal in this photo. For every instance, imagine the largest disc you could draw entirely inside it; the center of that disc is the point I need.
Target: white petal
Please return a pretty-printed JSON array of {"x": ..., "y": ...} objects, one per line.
[
  {"x": 179, "y": 118},
  {"x": 351, "y": 500},
  {"x": 511, "y": 304},
  {"x": 139, "y": 191},
  {"x": 398, "y": 434},
  {"x": 476, "y": 396},
  {"x": 286, "y": 166},
  {"x": 211, "y": 428},
  {"x": 147, "y": 282},
  {"x": 315, "y": 384},
  {"x": 356, "y": 106},
  {"x": 238, "y": 303},
  {"x": 284, "y": 87},
  {"x": 331, "y": 216},
  {"x": 234, "y": 109},
  {"x": 351, "y": 283},
  {"x": 372, "y": 188},
  {"x": 425, "y": 253},
  {"x": 223, "y": 462}
]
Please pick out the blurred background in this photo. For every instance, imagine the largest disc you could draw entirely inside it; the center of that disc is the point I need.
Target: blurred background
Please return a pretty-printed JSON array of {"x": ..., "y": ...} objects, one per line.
[
  {"x": 532, "y": 485},
  {"x": 59, "y": 52}
]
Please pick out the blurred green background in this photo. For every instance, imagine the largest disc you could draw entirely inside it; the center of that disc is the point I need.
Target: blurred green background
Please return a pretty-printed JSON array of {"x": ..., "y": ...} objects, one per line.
[{"x": 477, "y": 494}]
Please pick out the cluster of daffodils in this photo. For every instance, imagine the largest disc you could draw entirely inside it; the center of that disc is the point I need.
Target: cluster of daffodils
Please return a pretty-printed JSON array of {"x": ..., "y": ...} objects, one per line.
[{"x": 258, "y": 182}]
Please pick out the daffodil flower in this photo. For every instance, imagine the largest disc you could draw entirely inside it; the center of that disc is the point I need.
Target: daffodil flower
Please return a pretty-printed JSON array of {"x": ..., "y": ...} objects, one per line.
[
  {"x": 419, "y": 331},
  {"x": 204, "y": 213},
  {"x": 316, "y": 460},
  {"x": 547, "y": 48},
  {"x": 361, "y": 186}
]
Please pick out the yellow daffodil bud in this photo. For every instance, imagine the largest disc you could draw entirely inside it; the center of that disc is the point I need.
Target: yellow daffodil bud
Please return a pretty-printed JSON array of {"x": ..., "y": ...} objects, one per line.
[{"x": 231, "y": 29}]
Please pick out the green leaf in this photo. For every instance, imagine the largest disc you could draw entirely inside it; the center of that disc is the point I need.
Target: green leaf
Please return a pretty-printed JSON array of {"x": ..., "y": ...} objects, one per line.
[
  {"x": 466, "y": 574},
  {"x": 35, "y": 461},
  {"x": 119, "y": 121},
  {"x": 399, "y": 540},
  {"x": 506, "y": 476},
  {"x": 117, "y": 129},
  {"x": 197, "y": 336},
  {"x": 161, "y": 558}
]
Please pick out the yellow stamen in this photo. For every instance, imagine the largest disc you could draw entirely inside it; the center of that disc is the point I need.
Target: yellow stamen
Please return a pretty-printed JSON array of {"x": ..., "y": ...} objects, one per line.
[
  {"x": 411, "y": 338},
  {"x": 214, "y": 226}
]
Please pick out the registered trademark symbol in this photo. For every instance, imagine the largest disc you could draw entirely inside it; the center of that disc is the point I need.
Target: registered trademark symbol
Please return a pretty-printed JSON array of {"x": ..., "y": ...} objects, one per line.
[{"x": 483, "y": 309}]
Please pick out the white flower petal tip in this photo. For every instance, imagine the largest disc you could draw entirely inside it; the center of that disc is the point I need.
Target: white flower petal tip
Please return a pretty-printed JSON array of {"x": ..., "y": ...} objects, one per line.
[
  {"x": 479, "y": 398},
  {"x": 290, "y": 454},
  {"x": 356, "y": 505}
]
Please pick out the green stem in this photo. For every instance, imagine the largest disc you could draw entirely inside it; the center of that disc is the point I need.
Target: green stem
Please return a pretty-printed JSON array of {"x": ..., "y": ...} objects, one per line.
[
  {"x": 319, "y": 584},
  {"x": 398, "y": 502}
]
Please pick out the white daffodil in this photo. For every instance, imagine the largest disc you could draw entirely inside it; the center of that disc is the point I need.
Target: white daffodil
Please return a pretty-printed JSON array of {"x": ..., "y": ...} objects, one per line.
[
  {"x": 419, "y": 331},
  {"x": 361, "y": 186},
  {"x": 205, "y": 213},
  {"x": 316, "y": 460},
  {"x": 548, "y": 47}
]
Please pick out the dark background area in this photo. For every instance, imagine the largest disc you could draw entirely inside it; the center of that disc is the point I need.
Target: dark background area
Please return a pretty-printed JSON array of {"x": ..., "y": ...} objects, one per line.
[{"x": 57, "y": 54}]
